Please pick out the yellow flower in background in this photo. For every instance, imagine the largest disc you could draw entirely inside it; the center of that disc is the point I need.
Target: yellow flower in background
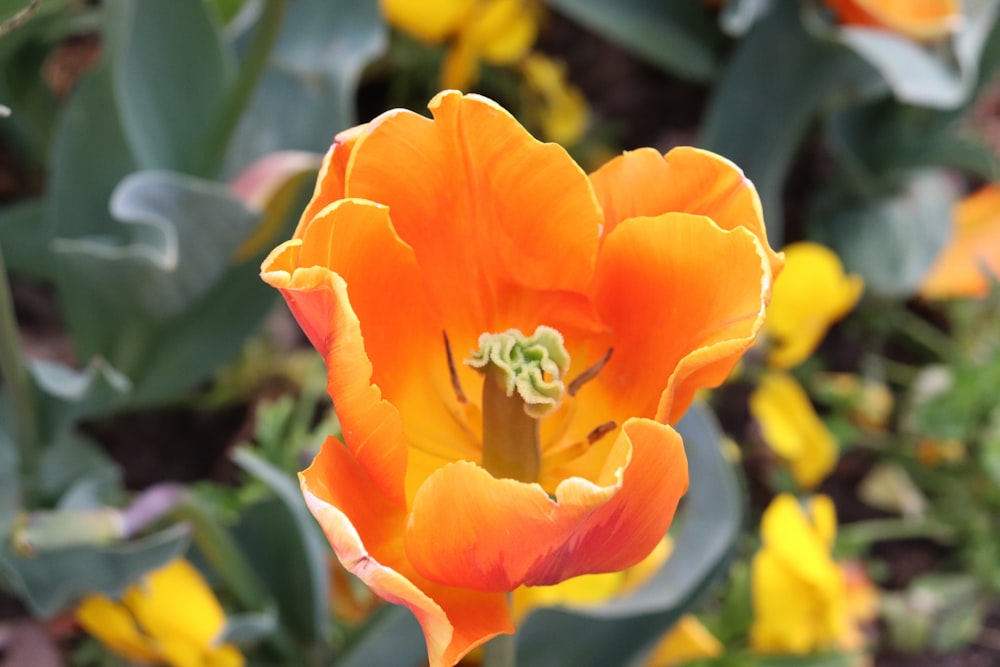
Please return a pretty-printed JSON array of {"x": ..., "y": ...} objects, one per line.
[
  {"x": 500, "y": 32},
  {"x": 170, "y": 617},
  {"x": 811, "y": 294},
  {"x": 803, "y": 600},
  {"x": 560, "y": 107},
  {"x": 792, "y": 429},
  {"x": 688, "y": 640},
  {"x": 971, "y": 260}
]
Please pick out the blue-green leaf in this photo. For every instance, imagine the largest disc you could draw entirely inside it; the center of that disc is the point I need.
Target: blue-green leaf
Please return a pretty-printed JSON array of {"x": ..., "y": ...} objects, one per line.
[
  {"x": 52, "y": 580},
  {"x": 171, "y": 73},
  {"x": 891, "y": 241},
  {"x": 300, "y": 587},
  {"x": 307, "y": 93},
  {"x": 180, "y": 233},
  {"x": 776, "y": 83}
]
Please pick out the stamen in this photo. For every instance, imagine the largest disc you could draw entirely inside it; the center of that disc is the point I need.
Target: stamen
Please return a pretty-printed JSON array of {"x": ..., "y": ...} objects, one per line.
[
  {"x": 588, "y": 374},
  {"x": 600, "y": 431},
  {"x": 455, "y": 384}
]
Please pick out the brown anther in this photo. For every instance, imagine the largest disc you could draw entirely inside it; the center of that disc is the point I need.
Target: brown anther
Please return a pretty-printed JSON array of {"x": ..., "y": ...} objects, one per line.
[
  {"x": 588, "y": 374},
  {"x": 455, "y": 384},
  {"x": 600, "y": 431}
]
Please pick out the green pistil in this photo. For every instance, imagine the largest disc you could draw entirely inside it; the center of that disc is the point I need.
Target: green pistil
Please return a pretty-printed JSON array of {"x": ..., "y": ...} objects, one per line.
[{"x": 522, "y": 383}]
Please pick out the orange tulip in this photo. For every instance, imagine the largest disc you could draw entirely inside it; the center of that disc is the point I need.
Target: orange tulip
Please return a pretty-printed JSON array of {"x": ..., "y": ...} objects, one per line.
[
  {"x": 457, "y": 483},
  {"x": 917, "y": 19},
  {"x": 970, "y": 263}
]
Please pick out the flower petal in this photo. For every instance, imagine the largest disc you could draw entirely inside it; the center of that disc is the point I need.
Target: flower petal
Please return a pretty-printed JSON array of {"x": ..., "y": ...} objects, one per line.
[
  {"x": 462, "y": 518},
  {"x": 115, "y": 627},
  {"x": 685, "y": 180},
  {"x": 365, "y": 529},
  {"x": 792, "y": 428},
  {"x": 330, "y": 180},
  {"x": 498, "y": 221},
  {"x": 684, "y": 299},
  {"x": 811, "y": 294},
  {"x": 971, "y": 259},
  {"x": 427, "y": 21},
  {"x": 919, "y": 19}
]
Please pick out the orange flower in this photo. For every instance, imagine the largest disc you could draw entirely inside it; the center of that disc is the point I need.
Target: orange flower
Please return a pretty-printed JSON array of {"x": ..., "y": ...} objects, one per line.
[
  {"x": 428, "y": 238},
  {"x": 917, "y": 19},
  {"x": 971, "y": 261}
]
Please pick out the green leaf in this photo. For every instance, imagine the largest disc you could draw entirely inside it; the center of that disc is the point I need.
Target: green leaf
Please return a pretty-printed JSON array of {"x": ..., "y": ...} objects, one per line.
[
  {"x": 407, "y": 648},
  {"x": 891, "y": 241},
  {"x": 880, "y": 143},
  {"x": 171, "y": 72},
  {"x": 24, "y": 239},
  {"x": 249, "y": 628},
  {"x": 774, "y": 86},
  {"x": 52, "y": 580},
  {"x": 287, "y": 542},
  {"x": 180, "y": 233},
  {"x": 10, "y": 482},
  {"x": 679, "y": 36},
  {"x": 68, "y": 394},
  {"x": 312, "y": 78},
  {"x": 80, "y": 184},
  {"x": 619, "y": 629}
]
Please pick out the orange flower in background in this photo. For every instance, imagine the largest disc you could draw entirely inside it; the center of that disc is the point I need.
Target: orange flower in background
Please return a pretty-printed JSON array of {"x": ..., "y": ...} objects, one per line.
[
  {"x": 507, "y": 342},
  {"x": 917, "y": 19},
  {"x": 970, "y": 263}
]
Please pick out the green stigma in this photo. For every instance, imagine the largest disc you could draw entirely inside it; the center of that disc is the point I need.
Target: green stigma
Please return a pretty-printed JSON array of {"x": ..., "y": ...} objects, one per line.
[{"x": 522, "y": 384}]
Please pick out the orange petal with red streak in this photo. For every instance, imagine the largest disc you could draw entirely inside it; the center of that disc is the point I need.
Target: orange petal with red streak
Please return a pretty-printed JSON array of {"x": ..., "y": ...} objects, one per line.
[
  {"x": 463, "y": 519},
  {"x": 365, "y": 529},
  {"x": 684, "y": 300}
]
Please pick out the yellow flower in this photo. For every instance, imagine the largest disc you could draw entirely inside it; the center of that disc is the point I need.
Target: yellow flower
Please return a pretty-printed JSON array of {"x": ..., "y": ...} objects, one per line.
[
  {"x": 812, "y": 293},
  {"x": 560, "y": 107},
  {"x": 170, "y": 618},
  {"x": 803, "y": 600},
  {"x": 500, "y": 32},
  {"x": 971, "y": 260},
  {"x": 792, "y": 428},
  {"x": 688, "y": 640}
]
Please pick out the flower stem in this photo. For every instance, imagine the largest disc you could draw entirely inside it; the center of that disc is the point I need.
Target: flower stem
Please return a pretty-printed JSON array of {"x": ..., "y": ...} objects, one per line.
[
  {"x": 501, "y": 651},
  {"x": 18, "y": 382},
  {"x": 864, "y": 533},
  {"x": 255, "y": 61}
]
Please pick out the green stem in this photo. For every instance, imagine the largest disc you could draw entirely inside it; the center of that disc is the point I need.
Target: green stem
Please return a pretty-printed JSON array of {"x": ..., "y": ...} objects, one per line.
[
  {"x": 880, "y": 530},
  {"x": 926, "y": 334},
  {"x": 255, "y": 61},
  {"x": 18, "y": 381},
  {"x": 501, "y": 651}
]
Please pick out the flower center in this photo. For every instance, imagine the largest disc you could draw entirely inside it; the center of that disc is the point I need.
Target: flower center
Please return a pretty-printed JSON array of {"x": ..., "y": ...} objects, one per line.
[{"x": 522, "y": 383}]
